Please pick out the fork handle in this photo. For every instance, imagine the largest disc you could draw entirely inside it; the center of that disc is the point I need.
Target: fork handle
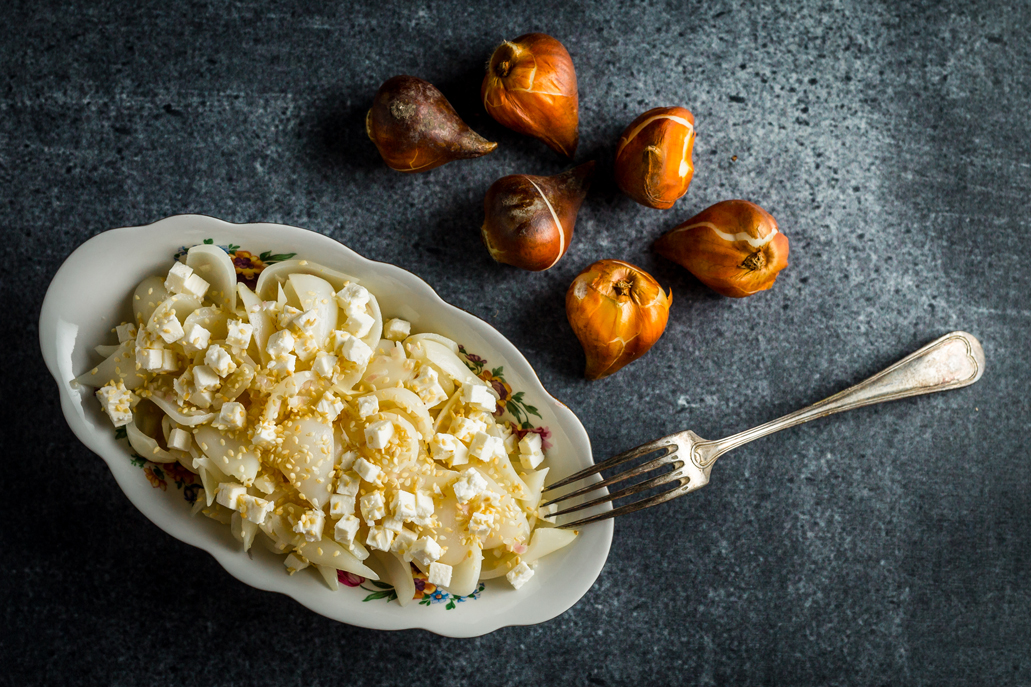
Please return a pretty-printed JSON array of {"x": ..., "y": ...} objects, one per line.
[{"x": 953, "y": 361}]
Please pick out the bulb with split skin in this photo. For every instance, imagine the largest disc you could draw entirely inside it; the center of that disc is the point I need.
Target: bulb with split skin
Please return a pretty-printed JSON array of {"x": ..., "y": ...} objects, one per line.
[{"x": 653, "y": 157}]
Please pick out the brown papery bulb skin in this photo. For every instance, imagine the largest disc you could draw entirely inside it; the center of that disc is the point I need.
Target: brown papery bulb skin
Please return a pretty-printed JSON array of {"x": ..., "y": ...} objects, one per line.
[
  {"x": 618, "y": 312},
  {"x": 415, "y": 128},
  {"x": 733, "y": 247},
  {"x": 530, "y": 87},
  {"x": 653, "y": 157},
  {"x": 528, "y": 220}
]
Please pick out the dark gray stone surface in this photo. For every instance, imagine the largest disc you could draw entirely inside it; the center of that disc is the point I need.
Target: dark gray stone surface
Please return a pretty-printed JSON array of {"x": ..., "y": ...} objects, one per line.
[{"x": 892, "y": 142}]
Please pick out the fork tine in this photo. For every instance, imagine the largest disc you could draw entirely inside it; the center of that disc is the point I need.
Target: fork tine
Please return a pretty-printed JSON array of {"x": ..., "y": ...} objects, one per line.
[
  {"x": 656, "y": 481},
  {"x": 615, "y": 460},
  {"x": 634, "y": 506},
  {"x": 626, "y": 474}
]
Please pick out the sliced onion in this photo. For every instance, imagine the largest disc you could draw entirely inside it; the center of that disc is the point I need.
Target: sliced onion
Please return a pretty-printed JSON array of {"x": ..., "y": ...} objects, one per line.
[
  {"x": 148, "y": 295},
  {"x": 398, "y": 574},
  {"x": 412, "y": 450},
  {"x": 260, "y": 320},
  {"x": 280, "y": 271},
  {"x": 412, "y": 404},
  {"x": 466, "y": 575},
  {"x": 335, "y": 556},
  {"x": 146, "y": 446},
  {"x": 329, "y": 574},
  {"x": 372, "y": 338},
  {"x": 430, "y": 336},
  {"x": 119, "y": 366},
  {"x": 214, "y": 320},
  {"x": 174, "y": 411},
  {"x": 534, "y": 481},
  {"x": 315, "y": 293},
  {"x": 443, "y": 419},
  {"x": 442, "y": 357},
  {"x": 547, "y": 540},
  {"x": 307, "y": 440},
  {"x": 215, "y": 267},
  {"x": 243, "y": 464},
  {"x": 106, "y": 350}
]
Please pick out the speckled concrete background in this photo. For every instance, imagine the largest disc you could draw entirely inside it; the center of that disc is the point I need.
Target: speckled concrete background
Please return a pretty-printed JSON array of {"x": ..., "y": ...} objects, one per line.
[{"x": 891, "y": 140}]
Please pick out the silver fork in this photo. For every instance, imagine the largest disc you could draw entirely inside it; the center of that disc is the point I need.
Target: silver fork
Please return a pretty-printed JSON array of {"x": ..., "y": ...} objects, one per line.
[{"x": 953, "y": 361}]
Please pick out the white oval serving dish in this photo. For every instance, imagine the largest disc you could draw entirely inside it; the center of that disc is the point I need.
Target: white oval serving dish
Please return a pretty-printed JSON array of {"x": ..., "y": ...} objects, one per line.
[{"x": 90, "y": 294}]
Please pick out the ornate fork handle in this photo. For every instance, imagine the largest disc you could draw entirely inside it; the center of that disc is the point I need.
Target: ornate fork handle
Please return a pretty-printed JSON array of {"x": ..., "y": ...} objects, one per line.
[{"x": 955, "y": 360}]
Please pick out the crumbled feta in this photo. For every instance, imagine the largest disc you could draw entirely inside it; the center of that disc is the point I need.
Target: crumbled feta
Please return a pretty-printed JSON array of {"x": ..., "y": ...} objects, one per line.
[
  {"x": 294, "y": 562},
  {"x": 166, "y": 325},
  {"x": 347, "y": 460},
  {"x": 394, "y": 523},
  {"x": 345, "y": 529},
  {"x": 305, "y": 347},
  {"x": 311, "y": 524},
  {"x": 356, "y": 351},
  {"x": 202, "y": 399},
  {"x": 374, "y": 506},
  {"x": 448, "y": 449},
  {"x": 280, "y": 344},
  {"x": 286, "y": 316},
  {"x": 423, "y": 504},
  {"x": 195, "y": 338},
  {"x": 379, "y": 434},
  {"x": 232, "y": 415},
  {"x": 177, "y": 276},
  {"x": 264, "y": 484},
  {"x": 367, "y": 405},
  {"x": 530, "y": 454},
  {"x": 330, "y": 406},
  {"x": 464, "y": 429},
  {"x": 117, "y": 402},
  {"x": 254, "y": 508},
  {"x": 126, "y": 332},
  {"x": 427, "y": 386},
  {"x": 425, "y": 551},
  {"x": 485, "y": 447},
  {"x": 307, "y": 321},
  {"x": 379, "y": 538},
  {"x": 179, "y": 439},
  {"x": 195, "y": 286},
  {"x": 396, "y": 329},
  {"x": 283, "y": 365},
  {"x": 352, "y": 295},
  {"x": 205, "y": 379},
  {"x": 440, "y": 574},
  {"x": 158, "y": 361},
  {"x": 265, "y": 434},
  {"x": 324, "y": 365},
  {"x": 239, "y": 334},
  {"x": 403, "y": 505},
  {"x": 480, "y": 524},
  {"x": 518, "y": 575},
  {"x": 469, "y": 485},
  {"x": 479, "y": 397},
  {"x": 341, "y": 505},
  {"x": 229, "y": 494},
  {"x": 218, "y": 360},
  {"x": 358, "y": 323},
  {"x": 403, "y": 541},
  {"x": 366, "y": 470}
]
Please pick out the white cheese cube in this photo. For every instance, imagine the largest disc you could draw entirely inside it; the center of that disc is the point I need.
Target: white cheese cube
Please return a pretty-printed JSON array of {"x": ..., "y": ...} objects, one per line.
[
  {"x": 433, "y": 396},
  {"x": 480, "y": 524},
  {"x": 117, "y": 402},
  {"x": 440, "y": 574},
  {"x": 530, "y": 454},
  {"x": 403, "y": 541},
  {"x": 195, "y": 338},
  {"x": 264, "y": 484},
  {"x": 379, "y": 538},
  {"x": 427, "y": 386},
  {"x": 379, "y": 434},
  {"x": 180, "y": 439},
  {"x": 374, "y": 506},
  {"x": 469, "y": 485},
  {"x": 166, "y": 326},
  {"x": 324, "y": 365},
  {"x": 311, "y": 524},
  {"x": 218, "y": 360},
  {"x": 425, "y": 551},
  {"x": 423, "y": 504},
  {"x": 358, "y": 323},
  {"x": 330, "y": 406},
  {"x": 403, "y": 505},
  {"x": 340, "y": 505},
  {"x": 356, "y": 351},
  {"x": 479, "y": 397},
  {"x": 348, "y": 483},
  {"x": 151, "y": 359},
  {"x": 464, "y": 429},
  {"x": 265, "y": 434},
  {"x": 394, "y": 523},
  {"x": 530, "y": 461},
  {"x": 195, "y": 286},
  {"x": 305, "y": 347},
  {"x": 448, "y": 449},
  {"x": 254, "y": 508},
  {"x": 294, "y": 562},
  {"x": 205, "y": 379},
  {"x": 347, "y": 460},
  {"x": 177, "y": 276},
  {"x": 229, "y": 494},
  {"x": 306, "y": 322},
  {"x": 345, "y": 529},
  {"x": 352, "y": 295},
  {"x": 367, "y": 405},
  {"x": 202, "y": 399},
  {"x": 397, "y": 329},
  {"x": 518, "y": 575},
  {"x": 286, "y": 316},
  {"x": 366, "y": 470},
  {"x": 511, "y": 440},
  {"x": 280, "y": 344},
  {"x": 126, "y": 332},
  {"x": 284, "y": 365},
  {"x": 240, "y": 333},
  {"x": 232, "y": 416},
  {"x": 485, "y": 447}
]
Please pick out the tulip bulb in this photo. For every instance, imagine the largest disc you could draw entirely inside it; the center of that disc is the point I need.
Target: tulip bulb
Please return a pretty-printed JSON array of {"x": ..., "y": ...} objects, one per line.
[
  {"x": 530, "y": 87},
  {"x": 733, "y": 247},
  {"x": 653, "y": 157},
  {"x": 528, "y": 220},
  {"x": 618, "y": 312},
  {"x": 415, "y": 128}
]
